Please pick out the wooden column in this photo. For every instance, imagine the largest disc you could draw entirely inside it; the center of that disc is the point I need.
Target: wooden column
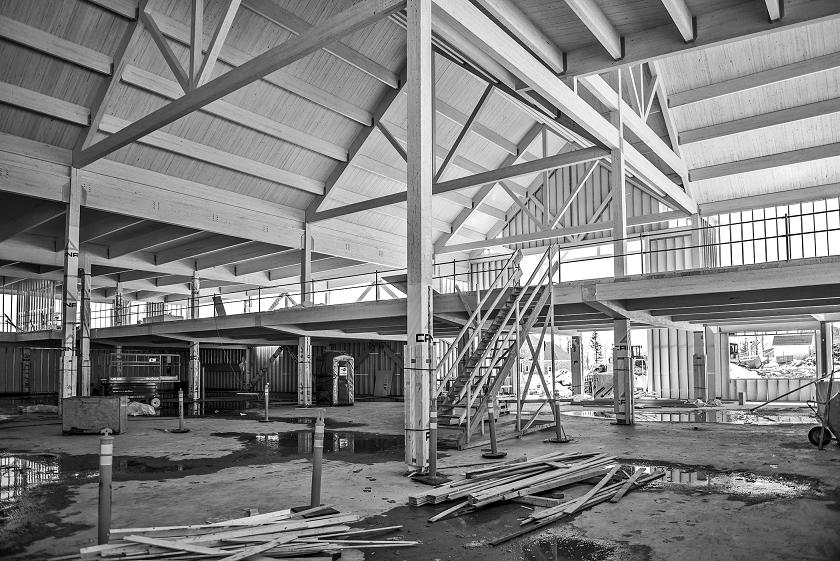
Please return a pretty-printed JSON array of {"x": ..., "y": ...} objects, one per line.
[
  {"x": 305, "y": 381},
  {"x": 618, "y": 186},
  {"x": 420, "y": 166},
  {"x": 195, "y": 287},
  {"x": 70, "y": 299},
  {"x": 84, "y": 332},
  {"x": 306, "y": 266},
  {"x": 696, "y": 251},
  {"x": 577, "y": 366},
  {"x": 622, "y": 373},
  {"x": 698, "y": 385}
]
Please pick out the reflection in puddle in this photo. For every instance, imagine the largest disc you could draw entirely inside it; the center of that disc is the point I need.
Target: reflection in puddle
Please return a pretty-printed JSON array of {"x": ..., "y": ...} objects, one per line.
[
  {"x": 334, "y": 442},
  {"x": 20, "y": 474},
  {"x": 575, "y": 548},
  {"x": 726, "y": 417},
  {"x": 743, "y": 485}
]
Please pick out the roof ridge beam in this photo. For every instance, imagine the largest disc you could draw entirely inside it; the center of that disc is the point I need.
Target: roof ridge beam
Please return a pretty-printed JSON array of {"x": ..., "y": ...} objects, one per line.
[{"x": 352, "y": 19}]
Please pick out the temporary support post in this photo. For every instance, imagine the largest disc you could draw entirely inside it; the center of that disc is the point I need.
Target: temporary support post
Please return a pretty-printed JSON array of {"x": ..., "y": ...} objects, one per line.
[
  {"x": 266, "y": 390},
  {"x": 577, "y": 367},
  {"x": 420, "y": 171},
  {"x": 306, "y": 287},
  {"x": 305, "y": 371},
  {"x": 699, "y": 367},
  {"x": 493, "y": 453},
  {"x": 106, "y": 465},
  {"x": 68, "y": 372},
  {"x": 622, "y": 373},
  {"x": 181, "y": 428},
  {"x": 84, "y": 332},
  {"x": 195, "y": 287},
  {"x": 518, "y": 385},
  {"x": 618, "y": 187}
]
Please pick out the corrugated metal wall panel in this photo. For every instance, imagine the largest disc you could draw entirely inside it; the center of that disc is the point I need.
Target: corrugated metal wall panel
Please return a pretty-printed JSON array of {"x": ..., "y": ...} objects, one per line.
[
  {"x": 590, "y": 198},
  {"x": 670, "y": 363}
]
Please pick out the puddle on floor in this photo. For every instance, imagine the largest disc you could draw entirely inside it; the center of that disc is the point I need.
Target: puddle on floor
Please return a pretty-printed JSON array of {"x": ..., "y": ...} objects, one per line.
[
  {"x": 745, "y": 486},
  {"x": 726, "y": 417},
  {"x": 576, "y": 548},
  {"x": 337, "y": 445}
]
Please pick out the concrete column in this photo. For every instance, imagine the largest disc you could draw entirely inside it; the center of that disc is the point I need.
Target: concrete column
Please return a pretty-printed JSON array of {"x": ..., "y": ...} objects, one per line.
[
  {"x": 622, "y": 373},
  {"x": 698, "y": 378},
  {"x": 577, "y": 366},
  {"x": 825, "y": 349},
  {"x": 195, "y": 287},
  {"x": 420, "y": 170},
  {"x": 305, "y": 381},
  {"x": 194, "y": 372},
  {"x": 68, "y": 368},
  {"x": 618, "y": 187},
  {"x": 84, "y": 332},
  {"x": 306, "y": 285}
]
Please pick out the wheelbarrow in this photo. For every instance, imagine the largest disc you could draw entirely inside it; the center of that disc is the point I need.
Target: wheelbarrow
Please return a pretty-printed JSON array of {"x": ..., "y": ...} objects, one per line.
[{"x": 828, "y": 412}]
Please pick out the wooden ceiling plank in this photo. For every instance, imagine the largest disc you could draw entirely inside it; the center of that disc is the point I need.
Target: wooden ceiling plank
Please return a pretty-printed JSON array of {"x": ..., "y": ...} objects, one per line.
[
  {"x": 297, "y": 26},
  {"x": 43, "y": 104},
  {"x": 791, "y": 71},
  {"x": 682, "y": 17},
  {"x": 145, "y": 238},
  {"x": 52, "y": 45},
  {"x": 594, "y": 19},
  {"x": 33, "y": 217},
  {"x": 769, "y": 161},
  {"x": 103, "y": 94},
  {"x": 103, "y": 226},
  {"x": 166, "y": 50},
  {"x": 211, "y": 155},
  {"x": 357, "y": 17},
  {"x": 158, "y": 85},
  {"x": 217, "y": 42},
  {"x": 179, "y": 32},
  {"x": 124, "y": 8},
  {"x": 763, "y": 120},
  {"x": 724, "y": 25},
  {"x": 197, "y": 247},
  {"x": 240, "y": 254},
  {"x": 507, "y": 13}
]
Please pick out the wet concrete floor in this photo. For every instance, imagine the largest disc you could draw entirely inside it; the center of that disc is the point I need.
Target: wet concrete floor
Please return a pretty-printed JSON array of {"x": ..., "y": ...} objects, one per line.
[{"x": 721, "y": 416}]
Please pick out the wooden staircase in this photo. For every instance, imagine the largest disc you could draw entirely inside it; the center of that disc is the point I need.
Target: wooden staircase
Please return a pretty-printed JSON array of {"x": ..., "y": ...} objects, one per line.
[{"x": 489, "y": 349}]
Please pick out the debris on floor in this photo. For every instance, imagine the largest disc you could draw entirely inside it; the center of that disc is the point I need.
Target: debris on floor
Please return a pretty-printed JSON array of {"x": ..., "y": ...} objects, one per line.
[
  {"x": 281, "y": 534},
  {"x": 523, "y": 481}
]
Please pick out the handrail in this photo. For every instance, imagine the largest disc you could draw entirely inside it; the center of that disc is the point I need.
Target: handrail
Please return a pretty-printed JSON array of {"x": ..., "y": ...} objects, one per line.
[
  {"x": 495, "y": 337},
  {"x": 515, "y": 256},
  {"x": 549, "y": 272}
]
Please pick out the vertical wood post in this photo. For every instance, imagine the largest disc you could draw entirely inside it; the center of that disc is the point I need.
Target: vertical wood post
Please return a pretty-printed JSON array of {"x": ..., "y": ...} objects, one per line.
[
  {"x": 195, "y": 288},
  {"x": 618, "y": 186},
  {"x": 306, "y": 266},
  {"x": 70, "y": 299},
  {"x": 577, "y": 367},
  {"x": 420, "y": 171},
  {"x": 194, "y": 372}
]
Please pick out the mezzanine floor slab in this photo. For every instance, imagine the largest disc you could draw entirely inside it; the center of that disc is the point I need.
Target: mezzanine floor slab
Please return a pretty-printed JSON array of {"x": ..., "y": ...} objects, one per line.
[
  {"x": 736, "y": 492},
  {"x": 780, "y": 295}
]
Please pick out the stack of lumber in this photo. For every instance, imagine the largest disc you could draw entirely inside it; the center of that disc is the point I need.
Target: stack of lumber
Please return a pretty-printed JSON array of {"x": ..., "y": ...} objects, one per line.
[
  {"x": 320, "y": 532},
  {"x": 523, "y": 480}
]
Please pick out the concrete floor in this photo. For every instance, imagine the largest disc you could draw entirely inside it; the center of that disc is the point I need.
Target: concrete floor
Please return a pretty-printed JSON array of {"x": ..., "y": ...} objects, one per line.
[{"x": 762, "y": 492}]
